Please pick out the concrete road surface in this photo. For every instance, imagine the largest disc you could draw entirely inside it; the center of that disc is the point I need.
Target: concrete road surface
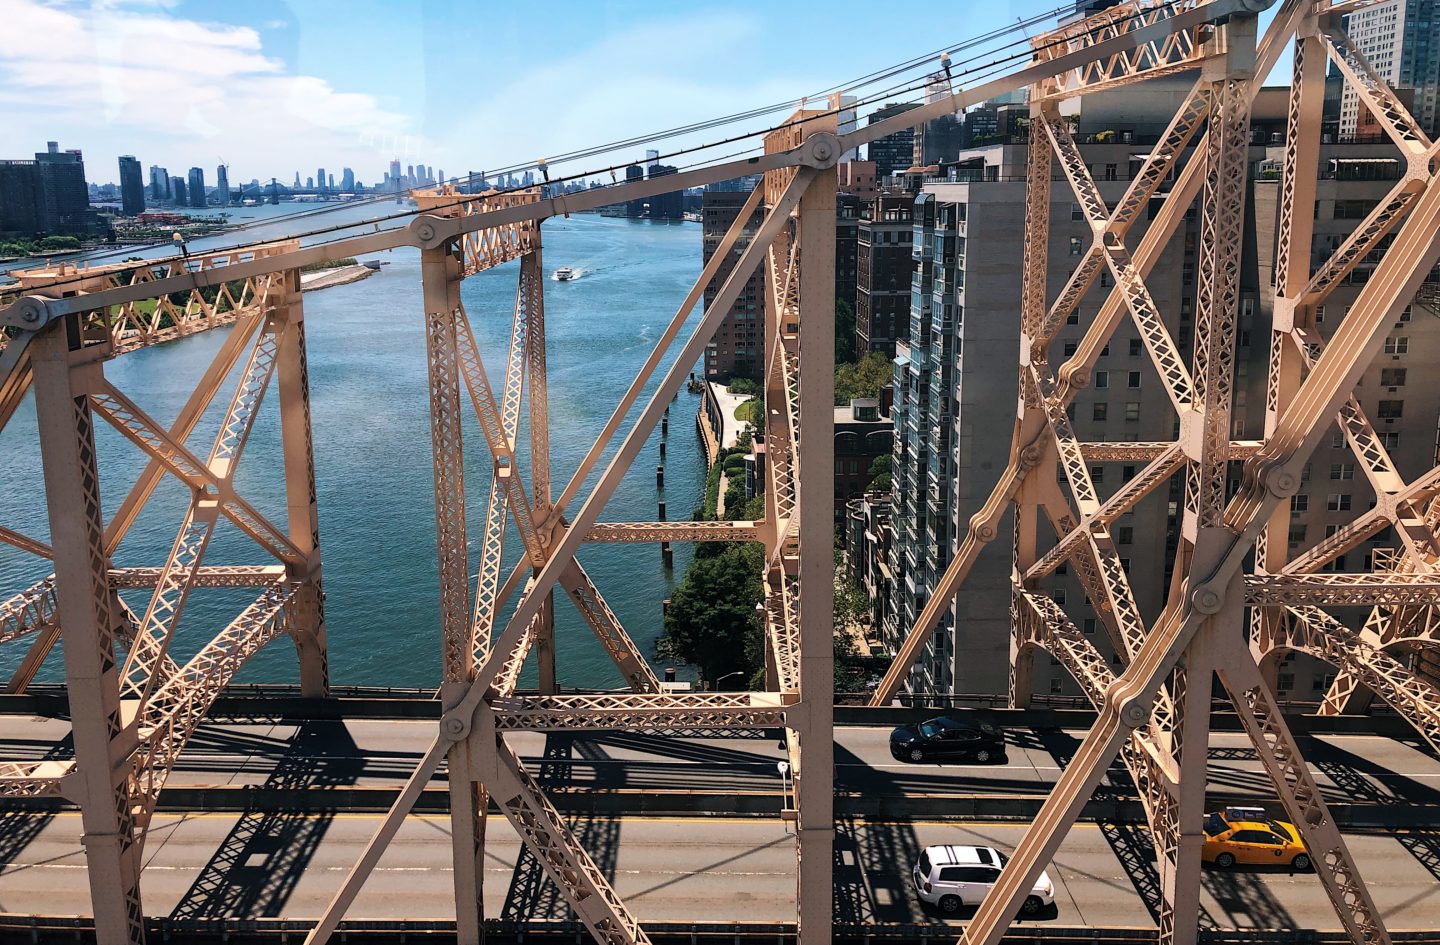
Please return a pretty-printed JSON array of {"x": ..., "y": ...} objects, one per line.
[
  {"x": 667, "y": 869},
  {"x": 1349, "y": 768}
]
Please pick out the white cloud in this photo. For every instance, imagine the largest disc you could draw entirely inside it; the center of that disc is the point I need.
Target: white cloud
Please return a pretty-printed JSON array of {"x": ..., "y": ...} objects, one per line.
[
  {"x": 131, "y": 76},
  {"x": 665, "y": 73}
]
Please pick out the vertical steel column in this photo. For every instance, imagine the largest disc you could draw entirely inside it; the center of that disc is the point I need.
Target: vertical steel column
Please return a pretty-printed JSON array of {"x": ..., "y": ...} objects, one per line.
[
  {"x": 102, "y": 737},
  {"x": 814, "y": 725},
  {"x": 532, "y": 297},
  {"x": 293, "y": 381},
  {"x": 440, "y": 276},
  {"x": 1179, "y": 850},
  {"x": 1036, "y": 254}
]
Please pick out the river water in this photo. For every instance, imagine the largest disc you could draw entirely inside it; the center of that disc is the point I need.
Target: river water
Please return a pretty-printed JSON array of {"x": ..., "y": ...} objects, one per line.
[{"x": 373, "y": 458}]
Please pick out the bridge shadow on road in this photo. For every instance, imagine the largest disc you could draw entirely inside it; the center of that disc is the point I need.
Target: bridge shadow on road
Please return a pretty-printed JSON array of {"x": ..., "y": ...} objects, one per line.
[
  {"x": 531, "y": 894},
  {"x": 19, "y": 828},
  {"x": 256, "y": 868},
  {"x": 1349, "y": 771}
]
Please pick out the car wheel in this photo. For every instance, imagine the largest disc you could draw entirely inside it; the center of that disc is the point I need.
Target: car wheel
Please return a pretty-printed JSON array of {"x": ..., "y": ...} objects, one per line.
[
  {"x": 917, "y": 755},
  {"x": 1225, "y": 860},
  {"x": 982, "y": 756},
  {"x": 1301, "y": 863},
  {"x": 950, "y": 904},
  {"x": 1032, "y": 905}
]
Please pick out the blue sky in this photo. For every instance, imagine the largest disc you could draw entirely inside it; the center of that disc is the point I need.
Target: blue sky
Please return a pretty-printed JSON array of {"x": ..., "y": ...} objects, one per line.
[{"x": 272, "y": 87}]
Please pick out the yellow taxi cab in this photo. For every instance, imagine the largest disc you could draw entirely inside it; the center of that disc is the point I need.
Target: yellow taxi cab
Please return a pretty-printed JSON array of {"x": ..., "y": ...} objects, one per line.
[{"x": 1244, "y": 836}]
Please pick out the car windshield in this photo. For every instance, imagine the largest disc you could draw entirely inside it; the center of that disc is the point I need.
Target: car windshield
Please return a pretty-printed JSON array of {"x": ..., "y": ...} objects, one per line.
[
  {"x": 924, "y": 863},
  {"x": 931, "y": 729},
  {"x": 1279, "y": 828},
  {"x": 1004, "y": 858}
]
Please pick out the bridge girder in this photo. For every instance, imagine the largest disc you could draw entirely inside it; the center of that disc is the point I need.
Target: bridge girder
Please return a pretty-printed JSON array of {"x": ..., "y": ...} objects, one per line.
[{"x": 1153, "y": 713}]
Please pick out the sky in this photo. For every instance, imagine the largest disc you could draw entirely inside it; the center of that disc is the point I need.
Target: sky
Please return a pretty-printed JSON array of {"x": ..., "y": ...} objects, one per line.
[{"x": 271, "y": 87}]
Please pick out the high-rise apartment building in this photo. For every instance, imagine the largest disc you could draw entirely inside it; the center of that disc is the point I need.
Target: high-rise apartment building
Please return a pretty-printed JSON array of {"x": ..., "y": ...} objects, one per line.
[
  {"x": 634, "y": 209},
  {"x": 64, "y": 195},
  {"x": 159, "y": 183},
  {"x": 20, "y": 205},
  {"x": 347, "y": 181},
  {"x": 320, "y": 180},
  {"x": 882, "y": 279},
  {"x": 195, "y": 187},
  {"x": 894, "y": 152},
  {"x": 669, "y": 206},
  {"x": 737, "y": 349},
  {"x": 179, "y": 193},
  {"x": 956, "y": 386},
  {"x": 1401, "y": 39},
  {"x": 132, "y": 186},
  {"x": 222, "y": 185}
]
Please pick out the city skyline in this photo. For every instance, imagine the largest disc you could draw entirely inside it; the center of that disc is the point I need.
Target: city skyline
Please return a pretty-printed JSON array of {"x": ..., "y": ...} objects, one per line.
[{"x": 323, "y": 81}]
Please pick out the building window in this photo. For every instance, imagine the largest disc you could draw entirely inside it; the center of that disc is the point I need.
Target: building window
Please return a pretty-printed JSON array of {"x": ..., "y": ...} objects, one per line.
[
  {"x": 1088, "y": 626},
  {"x": 1397, "y": 345},
  {"x": 1124, "y": 535},
  {"x": 1338, "y": 502},
  {"x": 1392, "y": 377},
  {"x": 1331, "y": 529},
  {"x": 1133, "y": 381},
  {"x": 1297, "y": 534},
  {"x": 1099, "y": 411},
  {"x": 1299, "y": 503},
  {"x": 1284, "y": 682},
  {"x": 1058, "y": 595},
  {"x": 1075, "y": 246},
  {"x": 1342, "y": 470},
  {"x": 1077, "y": 213},
  {"x": 1390, "y": 409},
  {"x": 1127, "y": 473},
  {"x": 1134, "y": 347},
  {"x": 1097, "y": 473},
  {"x": 1132, "y": 410},
  {"x": 1110, "y": 172},
  {"x": 1102, "y": 379},
  {"x": 1390, "y": 440},
  {"x": 1069, "y": 348},
  {"x": 1073, "y": 318}
]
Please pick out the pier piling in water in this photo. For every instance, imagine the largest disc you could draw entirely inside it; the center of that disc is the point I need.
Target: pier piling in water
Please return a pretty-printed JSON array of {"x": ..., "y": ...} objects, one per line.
[
  {"x": 660, "y": 476},
  {"x": 667, "y": 555}
]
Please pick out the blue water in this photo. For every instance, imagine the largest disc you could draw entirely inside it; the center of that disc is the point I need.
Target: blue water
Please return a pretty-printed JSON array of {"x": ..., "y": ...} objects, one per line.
[{"x": 373, "y": 457}]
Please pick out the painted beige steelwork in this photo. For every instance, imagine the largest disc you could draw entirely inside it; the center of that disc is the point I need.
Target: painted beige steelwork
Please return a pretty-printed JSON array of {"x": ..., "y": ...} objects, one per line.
[{"x": 131, "y": 718}]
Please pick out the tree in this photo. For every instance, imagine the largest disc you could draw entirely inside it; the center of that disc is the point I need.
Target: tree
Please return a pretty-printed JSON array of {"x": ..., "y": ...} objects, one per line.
[
  {"x": 864, "y": 378},
  {"x": 844, "y": 332},
  {"x": 879, "y": 473},
  {"x": 711, "y": 621}
]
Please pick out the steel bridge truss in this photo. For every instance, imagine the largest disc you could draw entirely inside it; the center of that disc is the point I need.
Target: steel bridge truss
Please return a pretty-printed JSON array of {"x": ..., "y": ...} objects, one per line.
[
  {"x": 133, "y": 714},
  {"x": 1218, "y": 620}
]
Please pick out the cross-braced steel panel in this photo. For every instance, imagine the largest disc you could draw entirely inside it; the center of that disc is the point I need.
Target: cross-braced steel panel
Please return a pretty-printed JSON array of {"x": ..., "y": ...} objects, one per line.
[{"x": 1153, "y": 711}]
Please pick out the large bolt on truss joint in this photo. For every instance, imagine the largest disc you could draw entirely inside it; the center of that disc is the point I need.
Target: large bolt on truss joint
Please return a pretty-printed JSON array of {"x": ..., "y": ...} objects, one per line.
[
  {"x": 428, "y": 232},
  {"x": 821, "y": 150},
  {"x": 455, "y": 726},
  {"x": 29, "y": 313}
]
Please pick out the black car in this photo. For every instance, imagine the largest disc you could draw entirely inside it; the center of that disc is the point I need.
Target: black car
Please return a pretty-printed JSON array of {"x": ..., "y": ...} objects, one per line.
[{"x": 946, "y": 738}]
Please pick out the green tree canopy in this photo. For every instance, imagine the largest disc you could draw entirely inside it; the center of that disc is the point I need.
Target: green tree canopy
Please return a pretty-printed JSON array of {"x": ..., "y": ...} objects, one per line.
[
  {"x": 844, "y": 332},
  {"x": 879, "y": 473},
  {"x": 864, "y": 378},
  {"x": 712, "y": 622}
]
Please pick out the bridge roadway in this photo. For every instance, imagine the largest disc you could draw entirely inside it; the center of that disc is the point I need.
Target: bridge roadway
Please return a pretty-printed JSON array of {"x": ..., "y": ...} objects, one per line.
[{"x": 270, "y": 862}]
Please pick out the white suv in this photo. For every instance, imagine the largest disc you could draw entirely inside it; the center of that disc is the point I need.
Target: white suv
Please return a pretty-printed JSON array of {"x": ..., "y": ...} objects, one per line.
[{"x": 953, "y": 877}]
